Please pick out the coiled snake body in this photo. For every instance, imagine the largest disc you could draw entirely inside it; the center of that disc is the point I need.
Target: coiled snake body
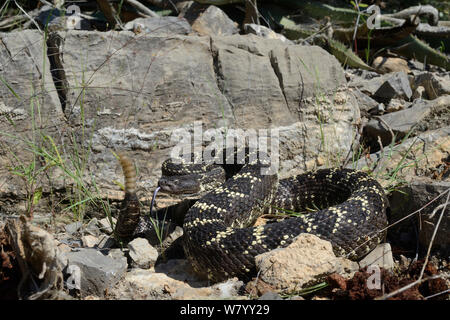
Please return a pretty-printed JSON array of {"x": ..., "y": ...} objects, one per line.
[{"x": 220, "y": 241}]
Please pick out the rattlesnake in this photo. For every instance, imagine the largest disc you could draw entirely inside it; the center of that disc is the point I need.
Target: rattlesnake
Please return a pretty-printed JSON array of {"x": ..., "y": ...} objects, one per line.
[{"x": 219, "y": 239}]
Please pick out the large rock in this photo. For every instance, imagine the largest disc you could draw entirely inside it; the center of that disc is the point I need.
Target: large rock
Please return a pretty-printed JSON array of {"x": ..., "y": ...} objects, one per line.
[
  {"x": 416, "y": 195},
  {"x": 305, "y": 261},
  {"x": 172, "y": 280},
  {"x": 29, "y": 106},
  {"x": 415, "y": 156},
  {"x": 132, "y": 92},
  {"x": 366, "y": 104}
]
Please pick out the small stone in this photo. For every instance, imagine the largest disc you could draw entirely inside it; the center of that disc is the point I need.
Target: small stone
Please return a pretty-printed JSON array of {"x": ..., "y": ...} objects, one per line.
[
  {"x": 213, "y": 21},
  {"x": 73, "y": 227},
  {"x": 270, "y": 296},
  {"x": 378, "y": 110},
  {"x": 433, "y": 84},
  {"x": 397, "y": 105},
  {"x": 418, "y": 93},
  {"x": 142, "y": 253},
  {"x": 388, "y": 64},
  {"x": 228, "y": 289},
  {"x": 106, "y": 242},
  {"x": 89, "y": 241},
  {"x": 381, "y": 108},
  {"x": 118, "y": 255},
  {"x": 297, "y": 298},
  {"x": 367, "y": 82},
  {"x": 173, "y": 280},
  {"x": 105, "y": 225},
  {"x": 264, "y": 32},
  {"x": 92, "y": 227},
  {"x": 401, "y": 122},
  {"x": 364, "y": 102},
  {"x": 395, "y": 86},
  {"x": 257, "y": 287},
  {"x": 380, "y": 256}
]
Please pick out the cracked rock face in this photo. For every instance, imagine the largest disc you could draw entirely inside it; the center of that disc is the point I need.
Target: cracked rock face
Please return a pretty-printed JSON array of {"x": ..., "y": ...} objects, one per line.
[{"x": 130, "y": 92}]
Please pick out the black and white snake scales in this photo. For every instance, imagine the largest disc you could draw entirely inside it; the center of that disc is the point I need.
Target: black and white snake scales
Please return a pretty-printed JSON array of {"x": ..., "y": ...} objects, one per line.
[{"x": 219, "y": 239}]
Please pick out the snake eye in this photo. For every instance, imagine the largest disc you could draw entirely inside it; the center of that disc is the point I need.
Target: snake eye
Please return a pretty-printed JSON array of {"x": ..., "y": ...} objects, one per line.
[{"x": 167, "y": 185}]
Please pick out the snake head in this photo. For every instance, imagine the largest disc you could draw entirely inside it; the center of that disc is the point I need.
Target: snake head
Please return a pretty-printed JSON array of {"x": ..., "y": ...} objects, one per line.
[{"x": 184, "y": 184}]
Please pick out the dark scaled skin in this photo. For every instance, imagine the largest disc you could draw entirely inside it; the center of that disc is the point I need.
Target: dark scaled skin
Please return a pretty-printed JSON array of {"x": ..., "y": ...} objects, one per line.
[
  {"x": 220, "y": 244},
  {"x": 219, "y": 239},
  {"x": 129, "y": 214}
]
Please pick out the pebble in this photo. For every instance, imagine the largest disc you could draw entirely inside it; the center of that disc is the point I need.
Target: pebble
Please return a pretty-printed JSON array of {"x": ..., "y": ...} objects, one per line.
[{"x": 142, "y": 253}]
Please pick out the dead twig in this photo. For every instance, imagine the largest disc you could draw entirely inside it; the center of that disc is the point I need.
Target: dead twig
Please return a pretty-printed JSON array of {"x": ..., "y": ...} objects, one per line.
[
  {"x": 437, "y": 294},
  {"x": 251, "y": 12},
  {"x": 11, "y": 21},
  {"x": 429, "y": 11},
  {"x": 109, "y": 12},
  {"x": 28, "y": 16},
  {"x": 402, "y": 219},
  {"x": 139, "y": 6},
  {"x": 387, "y": 127}
]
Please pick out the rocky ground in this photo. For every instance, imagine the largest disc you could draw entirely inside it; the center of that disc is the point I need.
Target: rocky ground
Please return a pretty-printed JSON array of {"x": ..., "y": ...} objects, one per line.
[{"x": 130, "y": 89}]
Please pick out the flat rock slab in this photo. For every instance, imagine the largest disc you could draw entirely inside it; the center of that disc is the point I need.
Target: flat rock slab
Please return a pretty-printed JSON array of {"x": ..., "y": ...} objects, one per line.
[
  {"x": 30, "y": 91},
  {"x": 97, "y": 271},
  {"x": 173, "y": 280},
  {"x": 402, "y": 122},
  {"x": 133, "y": 91}
]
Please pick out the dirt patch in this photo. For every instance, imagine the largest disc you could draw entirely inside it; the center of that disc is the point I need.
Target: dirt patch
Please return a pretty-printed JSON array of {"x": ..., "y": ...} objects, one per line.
[
  {"x": 356, "y": 288},
  {"x": 9, "y": 270},
  {"x": 435, "y": 120}
]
